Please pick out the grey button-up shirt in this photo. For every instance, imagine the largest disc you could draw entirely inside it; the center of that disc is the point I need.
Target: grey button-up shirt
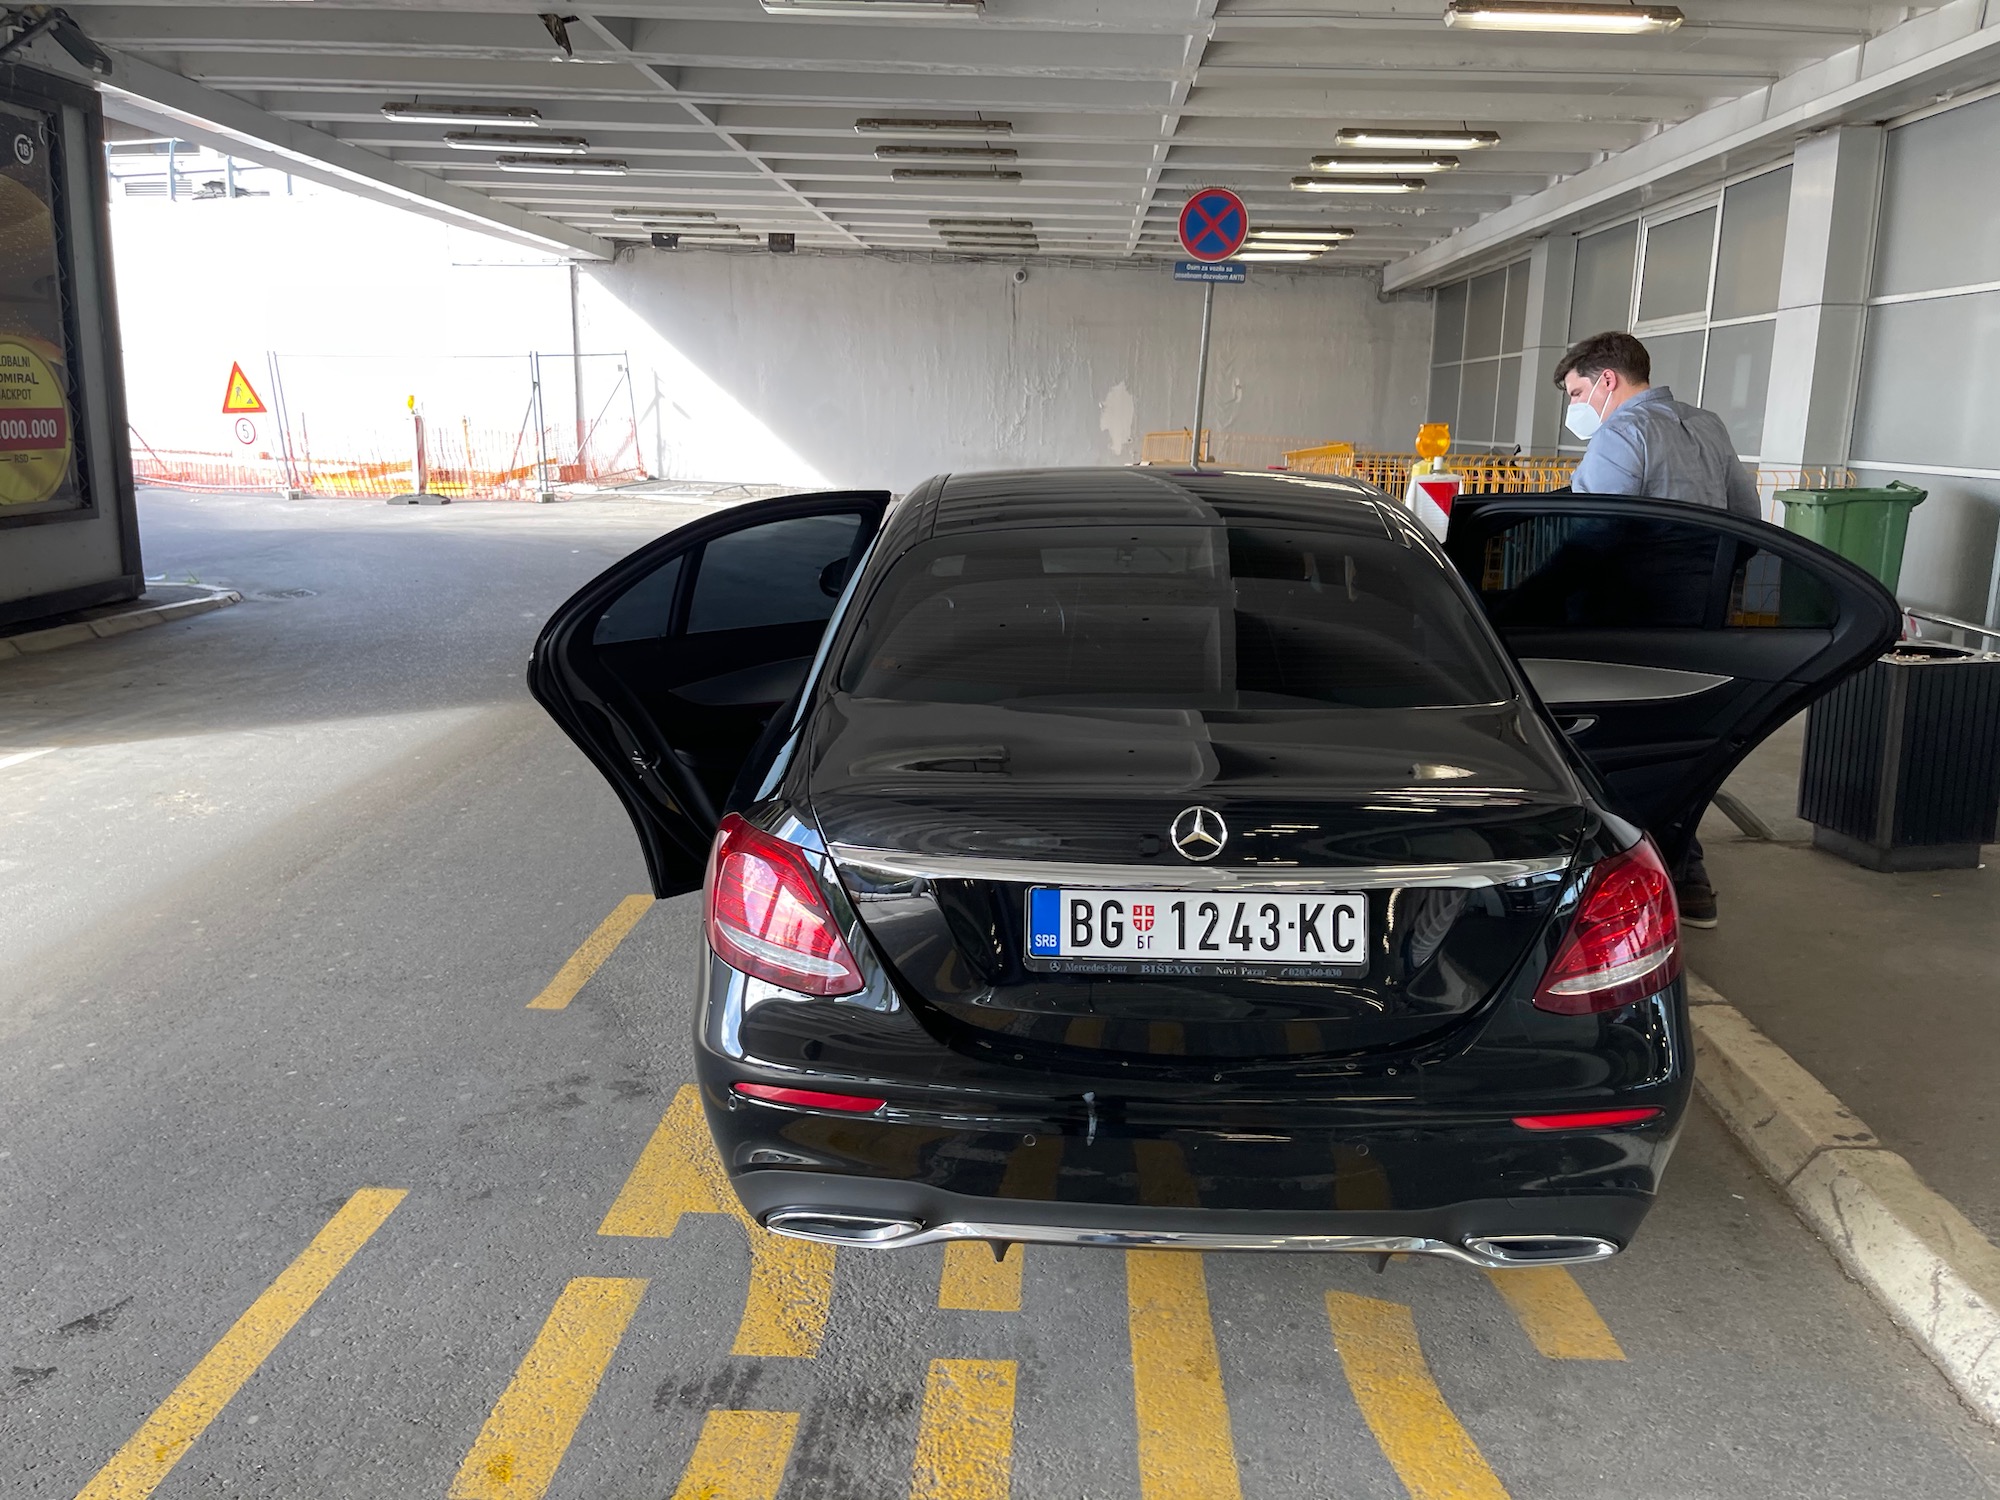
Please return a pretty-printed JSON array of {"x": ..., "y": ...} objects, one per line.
[{"x": 1665, "y": 449}]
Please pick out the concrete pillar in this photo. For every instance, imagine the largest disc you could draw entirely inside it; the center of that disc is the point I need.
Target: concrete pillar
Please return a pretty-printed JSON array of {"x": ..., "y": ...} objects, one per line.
[
  {"x": 1551, "y": 275},
  {"x": 1822, "y": 297}
]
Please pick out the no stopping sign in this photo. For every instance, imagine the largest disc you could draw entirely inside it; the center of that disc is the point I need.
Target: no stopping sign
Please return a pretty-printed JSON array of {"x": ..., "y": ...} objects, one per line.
[{"x": 1213, "y": 224}]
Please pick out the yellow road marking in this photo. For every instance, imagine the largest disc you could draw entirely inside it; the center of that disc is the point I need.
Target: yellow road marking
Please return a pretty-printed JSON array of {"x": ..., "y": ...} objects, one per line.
[
  {"x": 965, "y": 1437},
  {"x": 740, "y": 1455},
  {"x": 586, "y": 961},
  {"x": 791, "y": 1281},
  {"x": 136, "y": 1469},
  {"x": 973, "y": 1281},
  {"x": 1186, "y": 1451},
  {"x": 1556, "y": 1313},
  {"x": 524, "y": 1439},
  {"x": 1431, "y": 1453}
]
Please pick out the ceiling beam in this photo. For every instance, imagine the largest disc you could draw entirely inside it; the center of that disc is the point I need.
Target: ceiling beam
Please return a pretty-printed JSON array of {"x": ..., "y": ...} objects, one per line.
[
  {"x": 236, "y": 127},
  {"x": 1956, "y": 43},
  {"x": 1201, "y": 28},
  {"x": 667, "y": 85}
]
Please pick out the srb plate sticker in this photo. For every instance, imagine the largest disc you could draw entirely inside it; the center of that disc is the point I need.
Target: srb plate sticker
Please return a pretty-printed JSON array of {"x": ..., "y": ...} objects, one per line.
[{"x": 1199, "y": 927}]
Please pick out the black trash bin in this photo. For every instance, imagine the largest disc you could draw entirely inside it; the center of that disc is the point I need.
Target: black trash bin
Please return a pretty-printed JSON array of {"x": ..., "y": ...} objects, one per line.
[{"x": 1902, "y": 762}]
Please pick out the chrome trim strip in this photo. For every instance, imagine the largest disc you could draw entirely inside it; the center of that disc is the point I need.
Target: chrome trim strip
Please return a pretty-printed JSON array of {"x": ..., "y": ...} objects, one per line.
[
  {"x": 887, "y": 1232},
  {"x": 1563, "y": 680},
  {"x": 888, "y": 866}
]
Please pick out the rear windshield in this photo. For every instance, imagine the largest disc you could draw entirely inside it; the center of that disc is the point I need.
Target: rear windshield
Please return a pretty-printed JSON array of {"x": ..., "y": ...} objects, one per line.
[{"x": 1244, "y": 617}]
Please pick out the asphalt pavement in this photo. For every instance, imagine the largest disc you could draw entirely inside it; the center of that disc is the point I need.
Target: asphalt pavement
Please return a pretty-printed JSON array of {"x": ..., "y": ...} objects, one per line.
[{"x": 345, "y": 1152}]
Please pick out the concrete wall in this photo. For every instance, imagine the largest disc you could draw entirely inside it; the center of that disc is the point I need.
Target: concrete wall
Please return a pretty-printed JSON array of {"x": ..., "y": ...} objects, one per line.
[{"x": 858, "y": 370}]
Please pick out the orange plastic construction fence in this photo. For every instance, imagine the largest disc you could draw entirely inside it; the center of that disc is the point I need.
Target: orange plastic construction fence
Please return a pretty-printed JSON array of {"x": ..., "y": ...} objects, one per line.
[{"x": 460, "y": 462}]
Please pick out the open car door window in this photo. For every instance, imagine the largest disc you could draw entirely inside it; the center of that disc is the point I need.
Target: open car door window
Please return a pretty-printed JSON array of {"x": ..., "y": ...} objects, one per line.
[
  {"x": 667, "y": 667},
  {"x": 1667, "y": 640}
]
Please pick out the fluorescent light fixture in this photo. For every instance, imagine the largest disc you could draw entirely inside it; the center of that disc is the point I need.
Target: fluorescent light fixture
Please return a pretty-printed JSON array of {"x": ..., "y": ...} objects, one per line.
[
  {"x": 1561, "y": 15},
  {"x": 1307, "y": 236},
  {"x": 571, "y": 166},
  {"x": 1275, "y": 255},
  {"x": 1387, "y": 165},
  {"x": 725, "y": 235},
  {"x": 1417, "y": 140},
  {"x": 558, "y": 145},
  {"x": 901, "y": 125},
  {"x": 1359, "y": 184},
  {"x": 666, "y": 215},
  {"x": 953, "y": 174},
  {"x": 955, "y": 153},
  {"x": 982, "y": 225},
  {"x": 902, "y": 10},
  {"x": 462, "y": 114},
  {"x": 682, "y": 226}
]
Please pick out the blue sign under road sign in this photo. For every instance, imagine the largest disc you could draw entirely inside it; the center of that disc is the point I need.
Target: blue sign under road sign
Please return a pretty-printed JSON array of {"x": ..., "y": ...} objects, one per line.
[
  {"x": 1194, "y": 270},
  {"x": 1214, "y": 224}
]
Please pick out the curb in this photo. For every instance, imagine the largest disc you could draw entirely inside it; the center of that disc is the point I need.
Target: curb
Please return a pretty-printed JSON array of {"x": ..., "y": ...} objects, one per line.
[
  {"x": 31, "y": 642},
  {"x": 1923, "y": 1260}
]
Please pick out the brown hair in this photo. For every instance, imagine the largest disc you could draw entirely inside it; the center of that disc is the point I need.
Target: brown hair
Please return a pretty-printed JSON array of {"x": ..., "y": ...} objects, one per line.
[{"x": 1621, "y": 352}]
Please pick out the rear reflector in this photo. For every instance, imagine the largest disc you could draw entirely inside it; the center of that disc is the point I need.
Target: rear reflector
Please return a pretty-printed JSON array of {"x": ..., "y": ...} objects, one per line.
[
  {"x": 853, "y": 1104},
  {"x": 1624, "y": 942},
  {"x": 766, "y": 915},
  {"x": 1588, "y": 1119}
]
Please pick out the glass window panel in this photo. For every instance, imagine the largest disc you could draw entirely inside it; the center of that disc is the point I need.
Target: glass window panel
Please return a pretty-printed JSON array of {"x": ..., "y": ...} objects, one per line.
[
  {"x": 1602, "y": 299},
  {"x": 1443, "y": 406},
  {"x": 1930, "y": 382},
  {"x": 1736, "y": 379},
  {"x": 1448, "y": 342},
  {"x": 1599, "y": 572},
  {"x": 645, "y": 611},
  {"x": 1940, "y": 227},
  {"x": 1509, "y": 404},
  {"x": 1752, "y": 251},
  {"x": 1517, "y": 308},
  {"x": 770, "y": 575},
  {"x": 1475, "y": 402},
  {"x": 1674, "y": 280},
  {"x": 1485, "y": 311},
  {"x": 1187, "y": 618},
  {"x": 1677, "y": 363},
  {"x": 1765, "y": 590}
]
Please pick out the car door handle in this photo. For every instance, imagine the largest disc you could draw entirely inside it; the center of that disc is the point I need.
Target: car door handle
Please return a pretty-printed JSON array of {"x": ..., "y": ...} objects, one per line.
[{"x": 1578, "y": 724}]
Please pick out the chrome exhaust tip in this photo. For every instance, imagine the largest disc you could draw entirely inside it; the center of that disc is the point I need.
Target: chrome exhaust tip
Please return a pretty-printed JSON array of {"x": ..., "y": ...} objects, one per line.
[
  {"x": 1499, "y": 1250},
  {"x": 830, "y": 1227}
]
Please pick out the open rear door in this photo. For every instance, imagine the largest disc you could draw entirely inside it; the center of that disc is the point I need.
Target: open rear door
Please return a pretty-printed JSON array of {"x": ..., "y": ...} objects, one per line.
[
  {"x": 666, "y": 668},
  {"x": 1667, "y": 640}
]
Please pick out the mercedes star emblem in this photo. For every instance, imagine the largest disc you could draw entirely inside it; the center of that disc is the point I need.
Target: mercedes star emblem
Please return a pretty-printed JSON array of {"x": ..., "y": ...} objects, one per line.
[{"x": 1199, "y": 833}]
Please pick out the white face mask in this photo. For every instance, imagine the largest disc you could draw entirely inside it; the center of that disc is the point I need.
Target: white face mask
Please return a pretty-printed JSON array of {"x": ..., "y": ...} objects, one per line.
[{"x": 1583, "y": 419}]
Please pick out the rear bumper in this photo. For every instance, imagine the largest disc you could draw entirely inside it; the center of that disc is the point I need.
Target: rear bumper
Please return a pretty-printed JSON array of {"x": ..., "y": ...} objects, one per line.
[{"x": 1493, "y": 1233}]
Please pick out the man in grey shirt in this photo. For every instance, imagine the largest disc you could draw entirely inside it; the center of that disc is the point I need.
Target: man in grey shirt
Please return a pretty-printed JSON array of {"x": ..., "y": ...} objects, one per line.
[{"x": 1644, "y": 442}]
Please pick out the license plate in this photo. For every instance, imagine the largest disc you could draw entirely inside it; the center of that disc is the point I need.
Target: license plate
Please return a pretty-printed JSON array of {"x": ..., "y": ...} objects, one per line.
[{"x": 1199, "y": 927}]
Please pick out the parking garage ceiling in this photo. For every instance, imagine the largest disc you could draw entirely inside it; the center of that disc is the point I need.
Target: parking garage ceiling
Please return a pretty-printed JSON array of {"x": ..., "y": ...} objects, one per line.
[{"x": 1071, "y": 127}]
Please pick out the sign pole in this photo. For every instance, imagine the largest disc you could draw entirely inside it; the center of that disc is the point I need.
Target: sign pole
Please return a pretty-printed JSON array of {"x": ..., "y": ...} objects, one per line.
[
  {"x": 1212, "y": 227},
  {"x": 1201, "y": 370}
]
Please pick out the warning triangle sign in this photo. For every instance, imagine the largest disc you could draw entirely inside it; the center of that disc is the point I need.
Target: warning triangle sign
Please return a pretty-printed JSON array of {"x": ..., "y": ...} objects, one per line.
[{"x": 239, "y": 397}]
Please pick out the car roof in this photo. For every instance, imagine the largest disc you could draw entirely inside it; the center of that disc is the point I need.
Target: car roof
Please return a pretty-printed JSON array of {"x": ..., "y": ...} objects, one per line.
[{"x": 1148, "y": 496}]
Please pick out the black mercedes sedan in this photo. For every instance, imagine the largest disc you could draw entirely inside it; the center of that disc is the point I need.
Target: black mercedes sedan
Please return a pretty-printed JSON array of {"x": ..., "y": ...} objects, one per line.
[{"x": 1138, "y": 857}]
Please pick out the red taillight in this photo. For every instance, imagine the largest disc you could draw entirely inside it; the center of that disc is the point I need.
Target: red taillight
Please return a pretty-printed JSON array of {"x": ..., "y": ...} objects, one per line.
[
  {"x": 808, "y": 1098},
  {"x": 766, "y": 915},
  {"x": 1585, "y": 1119},
  {"x": 1624, "y": 943}
]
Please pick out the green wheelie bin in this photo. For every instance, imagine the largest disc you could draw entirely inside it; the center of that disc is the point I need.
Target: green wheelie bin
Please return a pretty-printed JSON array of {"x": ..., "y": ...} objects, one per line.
[{"x": 1865, "y": 526}]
